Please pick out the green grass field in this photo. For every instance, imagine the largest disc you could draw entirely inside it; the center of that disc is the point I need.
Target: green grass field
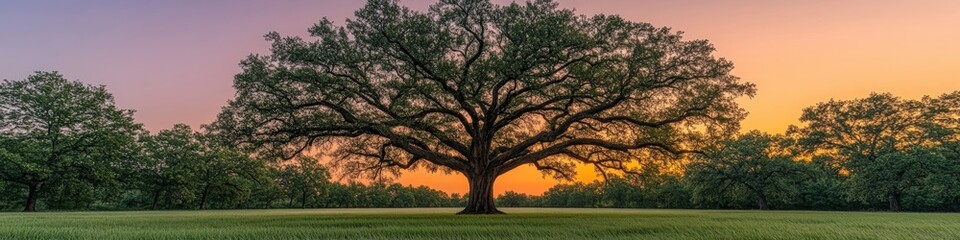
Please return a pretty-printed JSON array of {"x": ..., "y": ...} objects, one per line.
[{"x": 520, "y": 223}]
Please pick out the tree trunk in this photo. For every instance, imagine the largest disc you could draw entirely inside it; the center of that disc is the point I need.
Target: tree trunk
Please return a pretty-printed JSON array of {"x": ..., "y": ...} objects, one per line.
[
  {"x": 481, "y": 195},
  {"x": 894, "y": 199},
  {"x": 203, "y": 197},
  {"x": 303, "y": 199},
  {"x": 762, "y": 201},
  {"x": 292, "y": 199},
  {"x": 156, "y": 198},
  {"x": 33, "y": 190}
]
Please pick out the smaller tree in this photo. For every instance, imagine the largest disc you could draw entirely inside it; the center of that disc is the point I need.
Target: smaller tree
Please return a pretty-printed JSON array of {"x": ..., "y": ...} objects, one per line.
[
  {"x": 265, "y": 190},
  {"x": 873, "y": 139},
  {"x": 341, "y": 196},
  {"x": 224, "y": 170},
  {"x": 653, "y": 185},
  {"x": 576, "y": 195},
  {"x": 945, "y": 128},
  {"x": 673, "y": 192},
  {"x": 182, "y": 168},
  {"x": 618, "y": 192},
  {"x": 304, "y": 181},
  {"x": 514, "y": 199},
  {"x": 826, "y": 189},
  {"x": 754, "y": 162},
  {"x": 429, "y": 197},
  {"x": 894, "y": 175},
  {"x": 54, "y": 128},
  {"x": 457, "y": 200},
  {"x": 166, "y": 166}
]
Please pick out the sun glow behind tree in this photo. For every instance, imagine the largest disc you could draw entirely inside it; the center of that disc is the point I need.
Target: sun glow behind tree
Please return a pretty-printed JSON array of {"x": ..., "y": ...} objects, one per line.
[{"x": 481, "y": 89}]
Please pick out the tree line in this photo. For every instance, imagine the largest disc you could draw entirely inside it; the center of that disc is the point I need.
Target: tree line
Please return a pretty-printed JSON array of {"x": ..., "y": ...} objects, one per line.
[
  {"x": 65, "y": 145},
  {"x": 881, "y": 152}
]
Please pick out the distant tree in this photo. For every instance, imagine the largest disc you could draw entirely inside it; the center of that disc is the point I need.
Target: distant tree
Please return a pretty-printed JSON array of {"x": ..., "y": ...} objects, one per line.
[
  {"x": 673, "y": 193},
  {"x": 945, "y": 185},
  {"x": 756, "y": 162},
  {"x": 429, "y": 197},
  {"x": 907, "y": 173},
  {"x": 621, "y": 193},
  {"x": 402, "y": 197},
  {"x": 304, "y": 181},
  {"x": 376, "y": 194},
  {"x": 52, "y": 128},
  {"x": 825, "y": 189},
  {"x": 359, "y": 195},
  {"x": 340, "y": 196},
  {"x": 225, "y": 170},
  {"x": 480, "y": 89},
  {"x": 877, "y": 139},
  {"x": 456, "y": 200},
  {"x": 576, "y": 195},
  {"x": 647, "y": 187},
  {"x": 265, "y": 191},
  {"x": 946, "y": 129},
  {"x": 943, "y": 123},
  {"x": 167, "y": 166},
  {"x": 181, "y": 168},
  {"x": 514, "y": 199},
  {"x": 11, "y": 196}
]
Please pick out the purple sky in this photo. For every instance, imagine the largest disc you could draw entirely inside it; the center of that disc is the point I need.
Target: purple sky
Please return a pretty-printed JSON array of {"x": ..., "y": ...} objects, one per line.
[{"x": 174, "y": 60}]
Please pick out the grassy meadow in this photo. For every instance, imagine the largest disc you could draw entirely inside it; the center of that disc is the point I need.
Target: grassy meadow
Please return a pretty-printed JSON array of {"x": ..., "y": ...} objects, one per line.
[{"x": 520, "y": 223}]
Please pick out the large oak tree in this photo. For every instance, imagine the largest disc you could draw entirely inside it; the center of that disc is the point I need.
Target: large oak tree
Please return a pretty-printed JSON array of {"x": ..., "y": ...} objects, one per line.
[
  {"x": 481, "y": 89},
  {"x": 52, "y": 128}
]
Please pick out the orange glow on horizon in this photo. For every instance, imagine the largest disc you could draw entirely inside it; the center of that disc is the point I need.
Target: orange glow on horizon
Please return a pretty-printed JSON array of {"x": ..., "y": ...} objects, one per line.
[
  {"x": 175, "y": 62},
  {"x": 798, "y": 54}
]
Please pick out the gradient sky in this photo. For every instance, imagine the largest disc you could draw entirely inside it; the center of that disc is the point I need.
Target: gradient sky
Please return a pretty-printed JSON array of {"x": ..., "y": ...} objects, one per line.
[{"x": 173, "y": 61}]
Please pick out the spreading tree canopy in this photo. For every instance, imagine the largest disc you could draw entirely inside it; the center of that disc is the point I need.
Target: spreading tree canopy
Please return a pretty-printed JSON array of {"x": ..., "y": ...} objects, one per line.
[
  {"x": 52, "y": 128},
  {"x": 481, "y": 89},
  {"x": 756, "y": 162},
  {"x": 885, "y": 142}
]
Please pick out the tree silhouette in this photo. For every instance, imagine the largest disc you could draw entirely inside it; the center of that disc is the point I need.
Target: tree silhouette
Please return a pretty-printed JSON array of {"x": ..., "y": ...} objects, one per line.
[
  {"x": 877, "y": 139},
  {"x": 757, "y": 162},
  {"x": 481, "y": 89}
]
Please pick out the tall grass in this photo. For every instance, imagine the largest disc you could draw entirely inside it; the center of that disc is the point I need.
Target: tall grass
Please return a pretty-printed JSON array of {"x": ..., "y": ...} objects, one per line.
[{"x": 442, "y": 224}]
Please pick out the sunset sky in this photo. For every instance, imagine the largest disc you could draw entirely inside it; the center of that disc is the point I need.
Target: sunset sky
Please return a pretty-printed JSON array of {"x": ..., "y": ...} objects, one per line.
[{"x": 173, "y": 61}]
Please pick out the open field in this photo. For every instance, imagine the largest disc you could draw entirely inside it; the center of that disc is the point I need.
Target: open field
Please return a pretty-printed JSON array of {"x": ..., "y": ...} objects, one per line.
[{"x": 521, "y": 223}]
